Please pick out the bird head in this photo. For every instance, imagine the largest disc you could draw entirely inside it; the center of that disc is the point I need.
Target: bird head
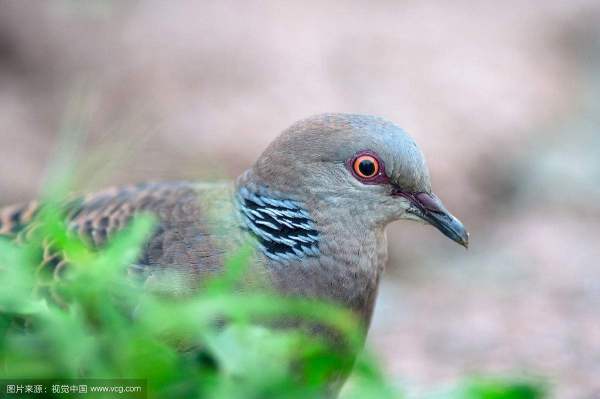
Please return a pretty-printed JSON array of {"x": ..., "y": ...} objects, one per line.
[{"x": 358, "y": 166}]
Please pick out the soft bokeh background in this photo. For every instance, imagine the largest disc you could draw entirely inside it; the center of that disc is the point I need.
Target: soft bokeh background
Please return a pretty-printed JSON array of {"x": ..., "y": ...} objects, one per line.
[{"x": 503, "y": 97}]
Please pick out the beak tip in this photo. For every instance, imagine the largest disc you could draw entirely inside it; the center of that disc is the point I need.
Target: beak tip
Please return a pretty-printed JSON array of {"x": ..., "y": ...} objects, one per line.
[
  {"x": 432, "y": 211},
  {"x": 464, "y": 240}
]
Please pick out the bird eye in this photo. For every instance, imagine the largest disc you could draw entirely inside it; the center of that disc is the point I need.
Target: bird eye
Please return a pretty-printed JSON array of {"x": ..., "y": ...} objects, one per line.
[{"x": 366, "y": 166}]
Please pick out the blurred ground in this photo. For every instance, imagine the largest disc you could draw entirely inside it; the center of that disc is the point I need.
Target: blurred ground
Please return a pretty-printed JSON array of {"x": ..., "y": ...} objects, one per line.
[{"x": 504, "y": 99}]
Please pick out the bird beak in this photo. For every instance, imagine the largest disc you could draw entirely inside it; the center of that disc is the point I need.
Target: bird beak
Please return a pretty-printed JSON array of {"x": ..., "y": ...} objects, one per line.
[{"x": 429, "y": 208}]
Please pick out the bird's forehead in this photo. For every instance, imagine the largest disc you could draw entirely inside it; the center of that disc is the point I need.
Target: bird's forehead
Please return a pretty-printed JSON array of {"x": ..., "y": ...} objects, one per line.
[
  {"x": 404, "y": 161},
  {"x": 353, "y": 133},
  {"x": 334, "y": 138},
  {"x": 342, "y": 132}
]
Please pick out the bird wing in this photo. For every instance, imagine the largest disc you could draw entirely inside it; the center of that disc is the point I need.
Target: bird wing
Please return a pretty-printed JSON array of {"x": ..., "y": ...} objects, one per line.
[{"x": 183, "y": 241}]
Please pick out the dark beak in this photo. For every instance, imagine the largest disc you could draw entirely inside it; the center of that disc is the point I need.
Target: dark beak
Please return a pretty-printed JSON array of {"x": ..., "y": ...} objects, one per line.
[{"x": 429, "y": 208}]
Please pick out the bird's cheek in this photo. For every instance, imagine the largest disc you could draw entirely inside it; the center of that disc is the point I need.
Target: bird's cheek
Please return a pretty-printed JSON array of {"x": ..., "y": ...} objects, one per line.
[{"x": 396, "y": 209}]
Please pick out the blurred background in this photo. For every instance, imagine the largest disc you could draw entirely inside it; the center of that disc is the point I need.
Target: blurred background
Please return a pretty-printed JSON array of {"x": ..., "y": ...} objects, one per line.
[{"x": 503, "y": 97}]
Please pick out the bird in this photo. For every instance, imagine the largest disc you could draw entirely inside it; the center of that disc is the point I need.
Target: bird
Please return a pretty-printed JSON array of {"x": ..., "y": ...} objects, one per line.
[{"x": 314, "y": 206}]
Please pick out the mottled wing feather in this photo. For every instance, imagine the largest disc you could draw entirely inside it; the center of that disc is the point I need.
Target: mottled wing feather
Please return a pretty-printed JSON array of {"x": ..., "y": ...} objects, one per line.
[
  {"x": 14, "y": 219},
  {"x": 180, "y": 240}
]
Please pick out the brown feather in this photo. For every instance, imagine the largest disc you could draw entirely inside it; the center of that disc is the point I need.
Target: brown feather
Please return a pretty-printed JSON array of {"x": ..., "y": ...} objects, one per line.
[{"x": 182, "y": 242}]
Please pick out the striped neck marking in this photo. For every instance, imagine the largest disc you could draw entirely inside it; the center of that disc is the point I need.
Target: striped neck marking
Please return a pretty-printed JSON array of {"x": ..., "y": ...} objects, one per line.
[{"x": 283, "y": 228}]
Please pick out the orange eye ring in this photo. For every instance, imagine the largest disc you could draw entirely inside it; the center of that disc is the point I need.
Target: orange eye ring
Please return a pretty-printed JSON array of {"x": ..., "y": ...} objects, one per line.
[{"x": 366, "y": 166}]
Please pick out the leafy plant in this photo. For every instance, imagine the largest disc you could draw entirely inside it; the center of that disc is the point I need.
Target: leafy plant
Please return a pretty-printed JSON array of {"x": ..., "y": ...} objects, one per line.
[{"x": 94, "y": 322}]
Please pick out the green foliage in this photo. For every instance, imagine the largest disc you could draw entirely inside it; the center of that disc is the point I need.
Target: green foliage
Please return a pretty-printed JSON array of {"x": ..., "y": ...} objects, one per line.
[
  {"x": 95, "y": 323},
  {"x": 217, "y": 343},
  {"x": 497, "y": 388}
]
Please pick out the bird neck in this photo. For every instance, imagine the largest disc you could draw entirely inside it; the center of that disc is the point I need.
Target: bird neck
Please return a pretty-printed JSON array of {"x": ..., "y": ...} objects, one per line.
[
  {"x": 283, "y": 228},
  {"x": 312, "y": 247}
]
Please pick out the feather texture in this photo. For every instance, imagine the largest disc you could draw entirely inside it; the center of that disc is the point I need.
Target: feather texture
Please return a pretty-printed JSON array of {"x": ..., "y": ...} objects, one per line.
[{"x": 283, "y": 228}]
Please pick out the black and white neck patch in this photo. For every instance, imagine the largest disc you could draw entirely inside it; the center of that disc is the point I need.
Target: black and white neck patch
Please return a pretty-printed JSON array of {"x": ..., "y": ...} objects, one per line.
[{"x": 283, "y": 228}]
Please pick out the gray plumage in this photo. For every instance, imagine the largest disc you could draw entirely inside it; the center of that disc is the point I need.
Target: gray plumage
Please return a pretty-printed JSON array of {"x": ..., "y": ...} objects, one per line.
[{"x": 319, "y": 229}]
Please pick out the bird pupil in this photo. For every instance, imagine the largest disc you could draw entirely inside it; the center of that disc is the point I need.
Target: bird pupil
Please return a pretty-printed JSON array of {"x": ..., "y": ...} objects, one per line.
[{"x": 367, "y": 167}]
